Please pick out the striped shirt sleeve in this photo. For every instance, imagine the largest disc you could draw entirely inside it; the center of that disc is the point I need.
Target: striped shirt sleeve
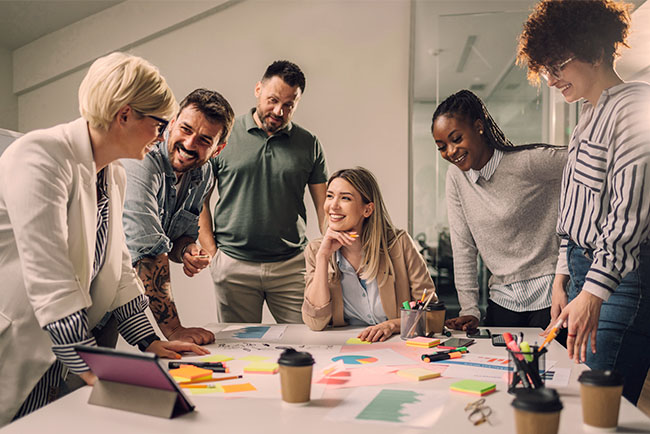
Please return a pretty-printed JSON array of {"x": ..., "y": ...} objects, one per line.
[
  {"x": 626, "y": 224},
  {"x": 65, "y": 334},
  {"x": 133, "y": 323}
]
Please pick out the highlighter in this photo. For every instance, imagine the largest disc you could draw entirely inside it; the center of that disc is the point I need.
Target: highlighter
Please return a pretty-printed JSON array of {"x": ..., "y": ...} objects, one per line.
[
  {"x": 437, "y": 357},
  {"x": 552, "y": 334}
]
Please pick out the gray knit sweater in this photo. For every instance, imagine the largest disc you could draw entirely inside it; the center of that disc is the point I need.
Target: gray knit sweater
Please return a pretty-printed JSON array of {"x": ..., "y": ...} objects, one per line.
[{"x": 509, "y": 220}]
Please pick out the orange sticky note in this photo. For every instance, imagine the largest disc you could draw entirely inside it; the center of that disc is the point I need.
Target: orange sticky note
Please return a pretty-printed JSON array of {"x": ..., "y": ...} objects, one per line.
[
  {"x": 190, "y": 373},
  {"x": 244, "y": 387}
]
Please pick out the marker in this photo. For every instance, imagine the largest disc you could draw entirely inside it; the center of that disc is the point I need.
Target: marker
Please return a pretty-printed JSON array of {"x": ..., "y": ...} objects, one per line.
[
  {"x": 423, "y": 294},
  {"x": 214, "y": 367},
  {"x": 202, "y": 256},
  {"x": 525, "y": 348},
  {"x": 438, "y": 357},
  {"x": 456, "y": 350},
  {"x": 406, "y": 305},
  {"x": 552, "y": 334},
  {"x": 353, "y": 235}
]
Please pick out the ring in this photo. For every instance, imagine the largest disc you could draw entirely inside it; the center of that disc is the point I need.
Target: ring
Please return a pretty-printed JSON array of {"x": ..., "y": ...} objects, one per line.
[{"x": 572, "y": 336}]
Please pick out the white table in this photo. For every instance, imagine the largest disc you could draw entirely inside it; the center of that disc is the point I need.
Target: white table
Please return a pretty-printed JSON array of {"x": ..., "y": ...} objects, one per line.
[{"x": 72, "y": 414}]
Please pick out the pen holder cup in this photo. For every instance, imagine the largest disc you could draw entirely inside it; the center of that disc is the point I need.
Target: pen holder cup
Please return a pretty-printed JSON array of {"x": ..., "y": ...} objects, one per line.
[
  {"x": 413, "y": 323},
  {"x": 526, "y": 369}
]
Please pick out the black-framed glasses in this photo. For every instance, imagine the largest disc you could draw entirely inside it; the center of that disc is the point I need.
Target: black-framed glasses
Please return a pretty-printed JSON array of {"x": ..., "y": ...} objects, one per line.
[
  {"x": 162, "y": 124},
  {"x": 554, "y": 71}
]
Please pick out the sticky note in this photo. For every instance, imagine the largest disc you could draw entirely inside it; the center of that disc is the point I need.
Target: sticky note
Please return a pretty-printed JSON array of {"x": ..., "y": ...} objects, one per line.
[
  {"x": 244, "y": 387},
  {"x": 474, "y": 387},
  {"x": 188, "y": 373},
  {"x": 356, "y": 341},
  {"x": 423, "y": 342},
  {"x": 216, "y": 358},
  {"x": 262, "y": 368},
  {"x": 418, "y": 374}
]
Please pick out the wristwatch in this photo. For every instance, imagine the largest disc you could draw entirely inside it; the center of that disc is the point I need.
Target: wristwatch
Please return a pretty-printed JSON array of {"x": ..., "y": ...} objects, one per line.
[{"x": 144, "y": 343}]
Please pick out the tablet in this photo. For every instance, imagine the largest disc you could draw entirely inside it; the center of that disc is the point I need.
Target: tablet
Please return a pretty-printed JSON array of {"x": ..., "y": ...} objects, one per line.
[{"x": 138, "y": 369}]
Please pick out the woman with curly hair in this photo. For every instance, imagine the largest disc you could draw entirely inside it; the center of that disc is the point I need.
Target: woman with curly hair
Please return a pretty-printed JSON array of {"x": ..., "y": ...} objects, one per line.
[
  {"x": 604, "y": 214},
  {"x": 513, "y": 229},
  {"x": 363, "y": 268}
]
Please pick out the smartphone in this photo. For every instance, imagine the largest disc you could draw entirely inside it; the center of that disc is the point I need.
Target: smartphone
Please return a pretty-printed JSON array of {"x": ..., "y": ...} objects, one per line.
[
  {"x": 455, "y": 343},
  {"x": 479, "y": 334},
  {"x": 499, "y": 341}
]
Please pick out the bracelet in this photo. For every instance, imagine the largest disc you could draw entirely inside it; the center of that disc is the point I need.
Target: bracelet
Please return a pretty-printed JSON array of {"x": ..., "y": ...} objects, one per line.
[
  {"x": 183, "y": 251},
  {"x": 144, "y": 343}
]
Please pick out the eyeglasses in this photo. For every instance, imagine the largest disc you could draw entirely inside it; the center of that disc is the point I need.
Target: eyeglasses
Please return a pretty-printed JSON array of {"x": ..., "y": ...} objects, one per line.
[
  {"x": 478, "y": 412},
  {"x": 554, "y": 71},
  {"x": 162, "y": 123}
]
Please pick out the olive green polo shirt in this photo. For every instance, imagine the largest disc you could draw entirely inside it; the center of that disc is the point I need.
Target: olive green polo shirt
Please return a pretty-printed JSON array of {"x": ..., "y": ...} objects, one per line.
[{"x": 261, "y": 215}]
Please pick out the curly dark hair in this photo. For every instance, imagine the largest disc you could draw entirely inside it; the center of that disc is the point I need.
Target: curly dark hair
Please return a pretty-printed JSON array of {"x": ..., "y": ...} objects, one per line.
[
  {"x": 585, "y": 29},
  {"x": 466, "y": 105}
]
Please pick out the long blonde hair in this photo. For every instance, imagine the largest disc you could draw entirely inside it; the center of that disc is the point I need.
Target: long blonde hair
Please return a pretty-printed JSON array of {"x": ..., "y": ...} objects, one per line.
[{"x": 378, "y": 233}]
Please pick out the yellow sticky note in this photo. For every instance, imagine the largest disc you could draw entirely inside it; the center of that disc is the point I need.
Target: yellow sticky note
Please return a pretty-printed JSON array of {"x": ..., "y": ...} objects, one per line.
[
  {"x": 417, "y": 374},
  {"x": 262, "y": 368},
  {"x": 204, "y": 391},
  {"x": 216, "y": 358},
  {"x": 356, "y": 341},
  {"x": 244, "y": 387},
  {"x": 255, "y": 358}
]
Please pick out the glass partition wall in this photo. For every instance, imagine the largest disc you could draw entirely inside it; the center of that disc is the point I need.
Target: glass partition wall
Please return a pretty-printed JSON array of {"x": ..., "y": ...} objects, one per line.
[{"x": 469, "y": 45}]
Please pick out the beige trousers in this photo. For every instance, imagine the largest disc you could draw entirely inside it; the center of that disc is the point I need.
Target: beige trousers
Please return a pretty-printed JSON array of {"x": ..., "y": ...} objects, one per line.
[{"x": 242, "y": 287}]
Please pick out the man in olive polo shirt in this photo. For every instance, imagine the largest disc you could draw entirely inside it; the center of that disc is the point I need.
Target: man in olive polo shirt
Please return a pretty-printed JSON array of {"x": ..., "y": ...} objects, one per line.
[{"x": 260, "y": 218}]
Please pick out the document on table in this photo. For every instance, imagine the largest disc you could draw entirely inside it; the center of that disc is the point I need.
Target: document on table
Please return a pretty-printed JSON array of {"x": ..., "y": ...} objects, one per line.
[
  {"x": 268, "y": 333},
  {"x": 412, "y": 408}
]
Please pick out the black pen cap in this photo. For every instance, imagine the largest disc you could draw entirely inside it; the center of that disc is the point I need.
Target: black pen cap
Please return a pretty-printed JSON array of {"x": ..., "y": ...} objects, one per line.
[{"x": 291, "y": 357}]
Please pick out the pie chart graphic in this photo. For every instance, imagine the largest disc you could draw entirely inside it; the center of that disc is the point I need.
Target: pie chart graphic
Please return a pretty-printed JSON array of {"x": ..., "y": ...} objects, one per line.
[{"x": 355, "y": 360}]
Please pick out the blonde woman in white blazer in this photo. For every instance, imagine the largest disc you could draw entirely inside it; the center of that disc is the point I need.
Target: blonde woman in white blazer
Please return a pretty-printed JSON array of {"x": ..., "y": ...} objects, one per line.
[{"x": 63, "y": 260}]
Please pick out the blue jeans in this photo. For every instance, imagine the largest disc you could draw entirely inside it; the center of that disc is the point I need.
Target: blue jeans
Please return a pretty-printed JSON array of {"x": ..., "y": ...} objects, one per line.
[{"x": 623, "y": 337}]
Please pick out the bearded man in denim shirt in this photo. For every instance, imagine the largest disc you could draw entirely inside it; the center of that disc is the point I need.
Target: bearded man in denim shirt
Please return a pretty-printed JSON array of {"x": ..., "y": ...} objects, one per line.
[{"x": 164, "y": 197}]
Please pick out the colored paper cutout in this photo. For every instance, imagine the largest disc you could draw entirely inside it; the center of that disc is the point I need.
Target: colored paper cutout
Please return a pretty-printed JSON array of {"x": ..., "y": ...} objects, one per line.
[
  {"x": 216, "y": 358},
  {"x": 355, "y": 359},
  {"x": 418, "y": 374},
  {"x": 253, "y": 332},
  {"x": 356, "y": 341}
]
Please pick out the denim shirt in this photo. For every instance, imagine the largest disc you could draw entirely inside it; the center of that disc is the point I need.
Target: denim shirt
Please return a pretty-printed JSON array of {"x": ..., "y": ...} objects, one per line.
[{"x": 157, "y": 211}]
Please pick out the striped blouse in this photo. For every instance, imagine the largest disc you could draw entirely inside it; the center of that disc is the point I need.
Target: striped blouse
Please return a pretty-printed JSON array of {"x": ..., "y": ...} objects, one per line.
[
  {"x": 605, "y": 199},
  {"x": 72, "y": 330}
]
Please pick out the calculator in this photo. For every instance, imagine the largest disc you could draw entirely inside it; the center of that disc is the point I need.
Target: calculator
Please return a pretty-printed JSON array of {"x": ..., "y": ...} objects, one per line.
[{"x": 499, "y": 341}]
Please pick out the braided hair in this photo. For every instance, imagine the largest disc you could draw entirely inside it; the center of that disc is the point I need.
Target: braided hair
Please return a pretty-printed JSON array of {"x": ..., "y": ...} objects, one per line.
[{"x": 467, "y": 105}]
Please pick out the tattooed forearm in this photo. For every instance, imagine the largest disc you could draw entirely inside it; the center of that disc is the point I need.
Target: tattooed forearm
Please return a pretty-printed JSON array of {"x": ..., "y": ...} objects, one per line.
[{"x": 154, "y": 273}]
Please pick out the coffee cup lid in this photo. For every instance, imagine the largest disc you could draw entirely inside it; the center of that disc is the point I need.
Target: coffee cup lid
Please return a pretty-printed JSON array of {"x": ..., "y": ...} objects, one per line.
[
  {"x": 542, "y": 400},
  {"x": 291, "y": 357},
  {"x": 439, "y": 305},
  {"x": 601, "y": 378}
]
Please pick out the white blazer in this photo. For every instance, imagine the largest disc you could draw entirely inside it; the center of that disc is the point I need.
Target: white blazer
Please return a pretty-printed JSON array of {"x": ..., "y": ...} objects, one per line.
[{"x": 48, "y": 223}]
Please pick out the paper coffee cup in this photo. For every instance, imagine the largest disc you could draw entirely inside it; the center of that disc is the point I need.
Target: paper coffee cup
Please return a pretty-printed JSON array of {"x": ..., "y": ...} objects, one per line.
[
  {"x": 435, "y": 321},
  {"x": 600, "y": 392},
  {"x": 295, "y": 376},
  {"x": 537, "y": 411}
]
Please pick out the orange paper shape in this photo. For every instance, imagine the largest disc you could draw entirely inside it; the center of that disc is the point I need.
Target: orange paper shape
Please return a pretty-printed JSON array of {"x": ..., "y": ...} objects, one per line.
[
  {"x": 244, "y": 387},
  {"x": 189, "y": 373}
]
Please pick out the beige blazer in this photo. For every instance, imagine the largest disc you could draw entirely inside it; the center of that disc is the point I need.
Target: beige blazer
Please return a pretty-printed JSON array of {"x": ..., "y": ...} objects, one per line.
[
  {"x": 410, "y": 278},
  {"x": 48, "y": 220}
]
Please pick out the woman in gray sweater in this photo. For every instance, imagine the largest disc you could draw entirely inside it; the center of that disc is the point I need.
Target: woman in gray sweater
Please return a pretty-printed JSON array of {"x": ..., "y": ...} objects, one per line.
[{"x": 502, "y": 204}]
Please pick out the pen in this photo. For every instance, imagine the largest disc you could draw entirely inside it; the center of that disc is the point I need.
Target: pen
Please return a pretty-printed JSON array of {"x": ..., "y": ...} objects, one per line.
[
  {"x": 202, "y": 256},
  {"x": 437, "y": 357},
  {"x": 552, "y": 334},
  {"x": 209, "y": 380}
]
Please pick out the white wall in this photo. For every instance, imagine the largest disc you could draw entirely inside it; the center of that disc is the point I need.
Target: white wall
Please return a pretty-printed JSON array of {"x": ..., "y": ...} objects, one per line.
[
  {"x": 8, "y": 101},
  {"x": 354, "y": 55}
]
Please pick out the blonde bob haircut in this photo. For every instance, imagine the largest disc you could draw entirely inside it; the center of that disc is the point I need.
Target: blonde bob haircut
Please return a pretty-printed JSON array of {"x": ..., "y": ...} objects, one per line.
[
  {"x": 120, "y": 79},
  {"x": 378, "y": 234}
]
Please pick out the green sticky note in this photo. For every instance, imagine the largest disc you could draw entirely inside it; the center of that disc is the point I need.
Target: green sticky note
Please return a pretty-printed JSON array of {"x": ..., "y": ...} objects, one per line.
[{"x": 474, "y": 387}]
